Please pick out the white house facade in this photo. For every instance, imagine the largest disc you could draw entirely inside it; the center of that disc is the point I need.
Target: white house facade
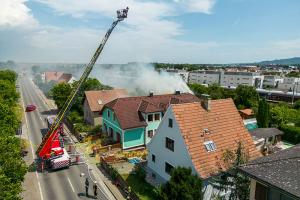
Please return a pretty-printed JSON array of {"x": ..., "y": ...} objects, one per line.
[{"x": 160, "y": 155}]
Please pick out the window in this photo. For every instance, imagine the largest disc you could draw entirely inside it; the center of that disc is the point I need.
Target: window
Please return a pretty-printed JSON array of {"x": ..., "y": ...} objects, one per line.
[
  {"x": 168, "y": 168},
  {"x": 157, "y": 116},
  {"x": 170, "y": 123},
  {"x": 210, "y": 146},
  {"x": 150, "y": 117},
  {"x": 260, "y": 191},
  {"x": 150, "y": 133},
  {"x": 153, "y": 176},
  {"x": 169, "y": 144},
  {"x": 153, "y": 158},
  {"x": 105, "y": 128},
  {"x": 111, "y": 132},
  {"x": 114, "y": 116},
  {"x": 108, "y": 113}
]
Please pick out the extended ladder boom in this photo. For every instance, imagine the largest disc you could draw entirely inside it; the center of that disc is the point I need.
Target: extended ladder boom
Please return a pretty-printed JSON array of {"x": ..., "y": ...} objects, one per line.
[{"x": 43, "y": 148}]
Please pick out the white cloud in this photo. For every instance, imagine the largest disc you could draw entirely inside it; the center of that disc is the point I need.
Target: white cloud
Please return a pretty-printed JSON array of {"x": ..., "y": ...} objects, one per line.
[
  {"x": 200, "y": 6},
  {"x": 14, "y": 13}
]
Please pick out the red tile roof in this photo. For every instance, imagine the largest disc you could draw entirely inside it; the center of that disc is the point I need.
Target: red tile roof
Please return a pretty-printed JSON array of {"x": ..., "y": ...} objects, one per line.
[
  {"x": 128, "y": 110},
  {"x": 53, "y": 76},
  {"x": 225, "y": 128},
  {"x": 59, "y": 77},
  {"x": 97, "y": 99},
  {"x": 247, "y": 111},
  {"x": 65, "y": 78}
]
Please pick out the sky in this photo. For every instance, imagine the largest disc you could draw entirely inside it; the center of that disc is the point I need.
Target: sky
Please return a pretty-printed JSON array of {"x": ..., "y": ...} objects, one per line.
[{"x": 170, "y": 31}]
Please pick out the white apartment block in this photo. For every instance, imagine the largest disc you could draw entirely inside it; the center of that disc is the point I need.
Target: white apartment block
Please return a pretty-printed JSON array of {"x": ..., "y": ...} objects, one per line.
[
  {"x": 182, "y": 73},
  {"x": 290, "y": 84},
  {"x": 272, "y": 81},
  {"x": 234, "y": 79},
  {"x": 204, "y": 77}
]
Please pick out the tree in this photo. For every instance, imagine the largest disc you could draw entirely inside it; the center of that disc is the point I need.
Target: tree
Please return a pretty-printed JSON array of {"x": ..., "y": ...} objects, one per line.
[
  {"x": 8, "y": 91},
  {"x": 263, "y": 115},
  {"x": 297, "y": 105},
  {"x": 282, "y": 114},
  {"x": 182, "y": 185},
  {"x": 232, "y": 180},
  {"x": 198, "y": 89},
  {"x": 8, "y": 121},
  {"x": 8, "y": 75},
  {"x": 216, "y": 91},
  {"x": 12, "y": 166},
  {"x": 60, "y": 94},
  {"x": 246, "y": 97},
  {"x": 35, "y": 69}
]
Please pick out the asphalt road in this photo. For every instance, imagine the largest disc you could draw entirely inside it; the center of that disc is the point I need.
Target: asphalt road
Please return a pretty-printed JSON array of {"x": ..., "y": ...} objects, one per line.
[{"x": 61, "y": 184}]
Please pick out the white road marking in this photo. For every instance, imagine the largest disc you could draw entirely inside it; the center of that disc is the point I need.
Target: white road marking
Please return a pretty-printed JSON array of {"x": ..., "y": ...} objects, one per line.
[
  {"x": 41, "y": 119},
  {"x": 71, "y": 185},
  {"x": 33, "y": 154},
  {"x": 39, "y": 184}
]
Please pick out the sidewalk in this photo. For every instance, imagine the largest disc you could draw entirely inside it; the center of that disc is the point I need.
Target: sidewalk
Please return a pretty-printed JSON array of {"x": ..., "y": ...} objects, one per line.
[{"x": 103, "y": 181}]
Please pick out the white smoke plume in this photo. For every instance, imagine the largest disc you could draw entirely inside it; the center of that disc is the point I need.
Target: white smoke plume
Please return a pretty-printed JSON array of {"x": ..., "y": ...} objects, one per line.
[{"x": 139, "y": 79}]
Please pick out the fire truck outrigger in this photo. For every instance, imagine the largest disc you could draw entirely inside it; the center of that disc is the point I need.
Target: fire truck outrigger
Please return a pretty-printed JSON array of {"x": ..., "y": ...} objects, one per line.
[{"x": 51, "y": 151}]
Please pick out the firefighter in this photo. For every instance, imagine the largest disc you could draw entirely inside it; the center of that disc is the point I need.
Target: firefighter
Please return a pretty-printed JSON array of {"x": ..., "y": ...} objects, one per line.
[
  {"x": 128, "y": 192},
  {"x": 87, "y": 187},
  {"x": 95, "y": 189}
]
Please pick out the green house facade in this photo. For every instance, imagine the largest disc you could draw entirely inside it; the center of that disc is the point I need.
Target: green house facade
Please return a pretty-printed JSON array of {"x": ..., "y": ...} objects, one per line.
[{"x": 133, "y": 121}]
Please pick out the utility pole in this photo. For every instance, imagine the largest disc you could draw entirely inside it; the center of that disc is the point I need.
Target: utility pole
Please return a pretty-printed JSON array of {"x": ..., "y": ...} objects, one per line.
[{"x": 294, "y": 91}]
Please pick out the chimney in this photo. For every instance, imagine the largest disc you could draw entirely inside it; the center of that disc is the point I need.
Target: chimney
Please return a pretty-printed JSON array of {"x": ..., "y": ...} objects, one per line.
[
  {"x": 177, "y": 92},
  {"x": 205, "y": 101},
  {"x": 151, "y": 94}
]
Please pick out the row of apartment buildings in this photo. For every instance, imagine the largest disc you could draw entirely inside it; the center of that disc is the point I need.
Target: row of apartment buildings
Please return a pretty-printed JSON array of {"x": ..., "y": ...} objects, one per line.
[{"x": 236, "y": 78}]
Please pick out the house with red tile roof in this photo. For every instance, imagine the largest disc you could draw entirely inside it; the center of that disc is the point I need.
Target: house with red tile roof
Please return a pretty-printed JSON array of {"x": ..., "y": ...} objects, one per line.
[
  {"x": 94, "y": 102},
  {"x": 59, "y": 77},
  {"x": 133, "y": 121},
  {"x": 196, "y": 135}
]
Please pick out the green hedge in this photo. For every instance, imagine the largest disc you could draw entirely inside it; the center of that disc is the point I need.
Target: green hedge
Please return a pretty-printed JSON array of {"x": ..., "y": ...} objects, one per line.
[{"x": 291, "y": 134}]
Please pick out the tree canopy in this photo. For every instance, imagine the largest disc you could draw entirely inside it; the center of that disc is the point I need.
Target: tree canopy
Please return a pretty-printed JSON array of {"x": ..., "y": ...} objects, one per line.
[
  {"x": 182, "y": 185},
  {"x": 12, "y": 166},
  {"x": 246, "y": 97},
  {"x": 60, "y": 94},
  {"x": 243, "y": 96},
  {"x": 263, "y": 114}
]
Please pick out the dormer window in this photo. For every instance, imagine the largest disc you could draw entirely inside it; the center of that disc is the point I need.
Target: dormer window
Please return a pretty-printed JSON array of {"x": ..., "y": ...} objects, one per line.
[{"x": 210, "y": 146}]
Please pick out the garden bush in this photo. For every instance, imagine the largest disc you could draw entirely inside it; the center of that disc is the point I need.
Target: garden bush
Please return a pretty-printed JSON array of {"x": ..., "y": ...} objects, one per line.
[{"x": 291, "y": 134}]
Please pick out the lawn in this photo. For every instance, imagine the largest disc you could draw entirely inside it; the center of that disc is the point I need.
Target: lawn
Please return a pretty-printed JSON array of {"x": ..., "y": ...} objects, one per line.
[{"x": 144, "y": 190}]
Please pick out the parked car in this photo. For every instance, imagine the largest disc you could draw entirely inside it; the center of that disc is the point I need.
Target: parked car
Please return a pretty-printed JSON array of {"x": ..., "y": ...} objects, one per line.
[{"x": 30, "y": 108}]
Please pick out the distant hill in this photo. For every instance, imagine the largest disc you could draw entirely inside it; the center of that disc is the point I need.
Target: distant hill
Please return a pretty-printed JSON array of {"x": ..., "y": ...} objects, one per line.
[{"x": 288, "y": 61}]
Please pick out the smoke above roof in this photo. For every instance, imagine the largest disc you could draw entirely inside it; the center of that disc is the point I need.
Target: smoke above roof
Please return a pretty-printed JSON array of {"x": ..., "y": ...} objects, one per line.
[{"x": 139, "y": 79}]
